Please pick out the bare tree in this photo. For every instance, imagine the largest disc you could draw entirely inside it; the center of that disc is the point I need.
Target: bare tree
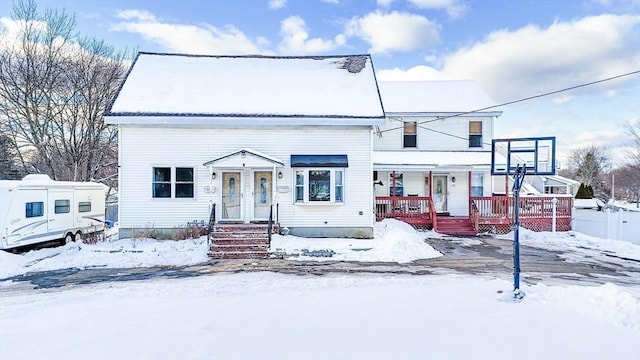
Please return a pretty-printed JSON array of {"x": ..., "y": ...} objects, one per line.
[
  {"x": 627, "y": 184},
  {"x": 589, "y": 164},
  {"x": 54, "y": 89},
  {"x": 633, "y": 130}
]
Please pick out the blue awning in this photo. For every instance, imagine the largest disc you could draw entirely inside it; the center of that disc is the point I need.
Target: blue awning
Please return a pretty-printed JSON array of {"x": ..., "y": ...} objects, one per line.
[{"x": 319, "y": 161}]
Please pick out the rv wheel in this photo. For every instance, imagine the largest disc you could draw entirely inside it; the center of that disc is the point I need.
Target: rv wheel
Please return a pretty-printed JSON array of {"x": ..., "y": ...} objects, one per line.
[
  {"x": 67, "y": 238},
  {"x": 78, "y": 237}
]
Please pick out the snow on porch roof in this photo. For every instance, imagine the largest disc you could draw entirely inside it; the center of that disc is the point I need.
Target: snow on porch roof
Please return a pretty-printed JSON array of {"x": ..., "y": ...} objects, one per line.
[
  {"x": 242, "y": 153},
  {"x": 397, "y": 160},
  {"x": 160, "y": 85},
  {"x": 434, "y": 97}
]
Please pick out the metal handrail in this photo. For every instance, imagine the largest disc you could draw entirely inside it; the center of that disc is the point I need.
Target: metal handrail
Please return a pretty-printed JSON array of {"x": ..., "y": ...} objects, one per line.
[{"x": 270, "y": 224}]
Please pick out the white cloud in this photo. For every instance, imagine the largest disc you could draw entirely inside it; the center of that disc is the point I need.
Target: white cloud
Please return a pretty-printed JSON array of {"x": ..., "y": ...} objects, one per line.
[
  {"x": 277, "y": 4},
  {"x": 133, "y": 14},
  {"x": 331, "y": 1},
  {"x": 532, "y": 60},
  {"x": 453, "y": 7},
  {"x": 295, "y": 39},
  {"x": 187, "y": 38},
  {"x": 394, "y": 31}
]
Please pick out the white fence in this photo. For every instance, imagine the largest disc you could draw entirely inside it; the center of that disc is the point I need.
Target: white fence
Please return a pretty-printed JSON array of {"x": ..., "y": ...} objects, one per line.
[{"x": 622, "y": 225}]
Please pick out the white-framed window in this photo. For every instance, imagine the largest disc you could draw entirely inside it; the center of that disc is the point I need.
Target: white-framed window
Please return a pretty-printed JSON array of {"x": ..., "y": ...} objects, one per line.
[
  {"x": 410, "y": 134},
  {"x": 319, "y": 186},
  {"x": 477, "y": 184},
  {"x": 475, "y": 134},
  {"x": 173, "y": 182}
]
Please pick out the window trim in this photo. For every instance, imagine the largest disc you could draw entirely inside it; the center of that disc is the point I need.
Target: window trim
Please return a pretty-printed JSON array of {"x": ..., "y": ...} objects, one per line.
[
  {"x": 173, "y": 181},
  {"x": 406, "y": 136},
  {"x": 305, "y": 185},
  {"x": 475, "y": 135}
]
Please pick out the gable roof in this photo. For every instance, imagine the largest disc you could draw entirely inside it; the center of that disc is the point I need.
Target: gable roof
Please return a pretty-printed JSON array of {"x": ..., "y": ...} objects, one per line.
[
  {"x": 435, "y": 97},
  {"x": 178, "y": 85}
]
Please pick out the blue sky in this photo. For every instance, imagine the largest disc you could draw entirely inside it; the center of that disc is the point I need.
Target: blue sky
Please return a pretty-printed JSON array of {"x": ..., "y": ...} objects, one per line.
[{"x": 513, "y": 48}]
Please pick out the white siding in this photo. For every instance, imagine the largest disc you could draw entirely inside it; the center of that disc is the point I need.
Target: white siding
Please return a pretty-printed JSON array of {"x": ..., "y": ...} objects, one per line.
[
  {"x": 448, "y": 135},
  {"x": 145, "y": 147}
]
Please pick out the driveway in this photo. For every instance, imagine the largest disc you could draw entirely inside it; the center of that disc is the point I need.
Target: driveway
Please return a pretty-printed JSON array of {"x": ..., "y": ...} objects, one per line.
[{"x": 478, "y": 255}]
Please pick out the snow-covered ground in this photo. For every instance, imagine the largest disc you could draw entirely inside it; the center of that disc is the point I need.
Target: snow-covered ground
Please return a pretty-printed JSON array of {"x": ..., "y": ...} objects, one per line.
[{"x": 276, "y": 316}]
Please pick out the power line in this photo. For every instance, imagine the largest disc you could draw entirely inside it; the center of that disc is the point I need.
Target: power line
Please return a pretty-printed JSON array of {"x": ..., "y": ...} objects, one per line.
[{"x": 508, "y": 103}]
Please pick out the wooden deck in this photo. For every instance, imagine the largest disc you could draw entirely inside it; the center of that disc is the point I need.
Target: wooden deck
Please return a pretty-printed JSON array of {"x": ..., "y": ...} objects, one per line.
[{"x": 492, "y": 214}]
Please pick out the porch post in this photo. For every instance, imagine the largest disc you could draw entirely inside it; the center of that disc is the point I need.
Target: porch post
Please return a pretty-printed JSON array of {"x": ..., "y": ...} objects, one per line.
[
  {"x": 274, "y": 181},
  {"x": 430, "y": 185}
]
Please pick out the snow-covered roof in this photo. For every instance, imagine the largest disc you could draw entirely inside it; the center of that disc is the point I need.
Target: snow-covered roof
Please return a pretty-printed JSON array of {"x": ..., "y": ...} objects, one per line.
[
  {"x": 395, "y": 160},
  {"x": 283, "y": 89},
  {"x": 255, "y": 156},
  {"x": 435, "y": 97}
]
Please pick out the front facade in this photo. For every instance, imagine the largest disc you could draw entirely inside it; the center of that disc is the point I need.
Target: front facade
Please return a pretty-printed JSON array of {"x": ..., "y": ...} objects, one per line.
[
  {"x": 247, "y": 139},
  {"x": 434, "y": 144}
]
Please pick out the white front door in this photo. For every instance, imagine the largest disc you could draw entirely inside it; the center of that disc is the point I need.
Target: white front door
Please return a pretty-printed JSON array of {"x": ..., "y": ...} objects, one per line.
[
  {"x": 440, "y": 193},
  {"x": 262, "y": 194},
  {"x": 231, "y": 195}
]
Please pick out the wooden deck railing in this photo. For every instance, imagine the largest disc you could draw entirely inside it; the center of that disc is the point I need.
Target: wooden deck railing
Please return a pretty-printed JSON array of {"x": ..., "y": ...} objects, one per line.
[
  {"x": 530, "y": 206},
  {"x": 417, "y": 208}
]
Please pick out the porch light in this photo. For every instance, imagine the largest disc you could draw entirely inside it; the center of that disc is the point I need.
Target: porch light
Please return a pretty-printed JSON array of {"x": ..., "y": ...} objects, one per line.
[
  {"x": 213, "y": 175},
  {"x": 279, "y": 174},
  {"x": 453, "y": 179}
]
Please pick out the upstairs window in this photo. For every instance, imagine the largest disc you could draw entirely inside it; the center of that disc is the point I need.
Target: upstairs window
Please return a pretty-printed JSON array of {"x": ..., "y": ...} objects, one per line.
[
  {"x": 475, "y": 134},
  {"x": 410, "y": 134}
]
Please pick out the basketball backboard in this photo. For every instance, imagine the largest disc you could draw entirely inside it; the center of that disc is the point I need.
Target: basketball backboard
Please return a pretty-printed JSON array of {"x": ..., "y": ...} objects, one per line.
[{"x": 537, "y": 154}]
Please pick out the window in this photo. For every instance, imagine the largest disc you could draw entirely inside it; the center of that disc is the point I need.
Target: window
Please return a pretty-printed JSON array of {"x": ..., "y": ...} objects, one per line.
[
  {"x": 319, "y": 186},
  {"x": 164, "y": 187},
  {"x": 161, "y": 182},
  {"x": 184, "y": 182},
  {"x": 84, "y": 206},
  {"x": 34, "y": 209},
  {"x": 410, "y": 134},
  {"x": 396, "y": 183},
  {"x": 62, "y": 206},
  {"x": 475, "y": 134},
  {"x": 477, "y": 188}
]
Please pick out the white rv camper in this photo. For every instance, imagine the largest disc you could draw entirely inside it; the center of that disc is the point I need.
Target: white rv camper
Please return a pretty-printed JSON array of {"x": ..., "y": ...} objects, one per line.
[{"x": 37, "y": 209}]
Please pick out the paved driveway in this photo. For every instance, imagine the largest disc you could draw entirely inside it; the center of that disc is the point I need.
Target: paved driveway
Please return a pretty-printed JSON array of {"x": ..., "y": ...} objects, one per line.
[{"x": 482, "y": 255}]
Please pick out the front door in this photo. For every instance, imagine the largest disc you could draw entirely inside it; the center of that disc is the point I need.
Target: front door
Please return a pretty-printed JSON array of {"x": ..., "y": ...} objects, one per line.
[
  {"x": 440, "y": 193},
  {"x": 262, "y": 193},
  {"x": 231, "y": 195}
]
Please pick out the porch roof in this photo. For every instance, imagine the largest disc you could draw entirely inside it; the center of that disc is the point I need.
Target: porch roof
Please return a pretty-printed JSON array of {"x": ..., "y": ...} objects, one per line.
[
  {"x": 431, "y": 160},
  {"x": 245, "y": 158}
]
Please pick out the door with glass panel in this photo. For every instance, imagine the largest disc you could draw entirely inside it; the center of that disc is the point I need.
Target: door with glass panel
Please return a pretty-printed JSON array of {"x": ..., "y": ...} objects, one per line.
[
  {"x": 440, "y": 193},
  {"x": 231, "y": 195},
  {"x": 262, "y": 194}
]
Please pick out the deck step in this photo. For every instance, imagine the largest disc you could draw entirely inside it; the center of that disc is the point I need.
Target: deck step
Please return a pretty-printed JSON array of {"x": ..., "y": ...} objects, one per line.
[{"x": 457, "y": 226}]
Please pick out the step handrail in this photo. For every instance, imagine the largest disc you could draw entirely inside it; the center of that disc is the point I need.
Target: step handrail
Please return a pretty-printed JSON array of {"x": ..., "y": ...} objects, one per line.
[{"x": 270, "y": 224}]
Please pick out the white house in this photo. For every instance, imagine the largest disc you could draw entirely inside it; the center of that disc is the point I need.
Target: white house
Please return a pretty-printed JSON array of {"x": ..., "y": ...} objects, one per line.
[
  {"x": 435, "y": 143},
  {"x": 244, "y": 135}
]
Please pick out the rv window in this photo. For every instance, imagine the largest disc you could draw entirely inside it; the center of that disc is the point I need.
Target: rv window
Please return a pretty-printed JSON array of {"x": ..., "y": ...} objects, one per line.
[
  {"x": 84, "y": 206},
  {"x": 34, "y": 209},
  {"x": 62, "y": 206}
]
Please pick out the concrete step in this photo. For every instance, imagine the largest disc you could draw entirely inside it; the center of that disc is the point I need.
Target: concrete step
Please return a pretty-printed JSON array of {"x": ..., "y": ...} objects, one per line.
[
  {"x": 239, "y": 247},
  {"x": 239, "y": 254}
]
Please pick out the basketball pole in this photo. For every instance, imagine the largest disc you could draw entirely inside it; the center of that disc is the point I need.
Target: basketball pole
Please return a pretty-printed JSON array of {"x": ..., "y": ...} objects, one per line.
[{"x": 518, "y": 179}]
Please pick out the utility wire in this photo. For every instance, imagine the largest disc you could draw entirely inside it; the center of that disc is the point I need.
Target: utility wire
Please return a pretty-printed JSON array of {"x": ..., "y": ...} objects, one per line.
[{"x": 504, "y": 104}]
